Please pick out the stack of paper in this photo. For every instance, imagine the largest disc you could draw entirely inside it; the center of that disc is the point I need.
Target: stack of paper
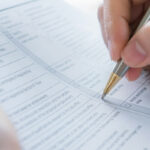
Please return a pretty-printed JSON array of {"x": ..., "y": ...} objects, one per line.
[{"x": 53, "y": 68}]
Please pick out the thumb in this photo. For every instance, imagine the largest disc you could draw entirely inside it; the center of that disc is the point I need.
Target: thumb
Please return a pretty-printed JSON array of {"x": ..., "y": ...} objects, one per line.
[{"x": 137, "y": 52}]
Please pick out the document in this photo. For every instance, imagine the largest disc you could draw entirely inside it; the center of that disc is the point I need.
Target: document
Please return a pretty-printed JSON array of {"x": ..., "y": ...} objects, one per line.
[{"x": 53, "y": 68}]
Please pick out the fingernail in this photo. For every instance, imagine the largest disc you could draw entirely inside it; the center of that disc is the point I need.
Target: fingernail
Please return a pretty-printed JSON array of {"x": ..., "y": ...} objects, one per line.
[{"x": 134, "y": 54}]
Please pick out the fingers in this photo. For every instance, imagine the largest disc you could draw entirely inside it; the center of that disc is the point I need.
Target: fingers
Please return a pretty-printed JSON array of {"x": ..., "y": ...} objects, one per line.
[
  {"x": 136, "y": 13},
  {"x": 137, "y": 2},
  {"x": 133, "y": 73},
  {"x": 8, "y": 140},
  {"x": 116, "y": 22},
  {"x": 115, "y": 17},
  {"x": 101, "y": 18},
  {"x": 137, "y": 52}
]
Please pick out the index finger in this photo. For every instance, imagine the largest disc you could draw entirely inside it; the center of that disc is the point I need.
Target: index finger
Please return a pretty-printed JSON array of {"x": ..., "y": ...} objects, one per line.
[{"x": 117, "y": 15}]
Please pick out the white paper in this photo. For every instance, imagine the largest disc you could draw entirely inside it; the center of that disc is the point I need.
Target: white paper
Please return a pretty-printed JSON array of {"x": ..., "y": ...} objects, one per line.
[
  {"x": 7, "y": 4},
  {"x": 53, "y": 66}
]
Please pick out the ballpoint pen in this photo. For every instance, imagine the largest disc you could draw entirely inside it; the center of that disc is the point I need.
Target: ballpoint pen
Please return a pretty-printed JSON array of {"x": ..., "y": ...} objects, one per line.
[{"x": 121, "y": 68}]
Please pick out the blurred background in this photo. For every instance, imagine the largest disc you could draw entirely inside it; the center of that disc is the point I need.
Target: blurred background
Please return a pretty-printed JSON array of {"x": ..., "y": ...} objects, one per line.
[{"x": 87, "y": 6}]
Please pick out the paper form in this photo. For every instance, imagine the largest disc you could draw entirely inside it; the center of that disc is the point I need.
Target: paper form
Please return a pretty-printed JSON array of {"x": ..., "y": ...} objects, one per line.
[
  {"x": 9, "y": 3},
  {"x": 55, "y": 32},
  {"x": 52, "y": 68}
]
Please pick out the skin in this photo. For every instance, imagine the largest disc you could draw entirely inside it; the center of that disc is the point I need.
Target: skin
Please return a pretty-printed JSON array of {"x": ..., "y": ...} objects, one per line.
[
  {"x": 8, "y": 140},
  {"x": 118, "y": 19}
]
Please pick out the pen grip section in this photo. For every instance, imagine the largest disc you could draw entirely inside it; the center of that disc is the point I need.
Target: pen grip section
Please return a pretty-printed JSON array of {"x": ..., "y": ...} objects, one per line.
[{"x": 120, "y": 69}]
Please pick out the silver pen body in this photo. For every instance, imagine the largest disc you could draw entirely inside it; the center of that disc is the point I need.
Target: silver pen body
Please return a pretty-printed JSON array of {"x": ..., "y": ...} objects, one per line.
[{"x": 120, "y": 69}]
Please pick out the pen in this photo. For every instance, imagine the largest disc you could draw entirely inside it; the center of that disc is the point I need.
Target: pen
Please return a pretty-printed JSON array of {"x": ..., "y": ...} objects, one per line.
[{"x": 121, "y": 68}]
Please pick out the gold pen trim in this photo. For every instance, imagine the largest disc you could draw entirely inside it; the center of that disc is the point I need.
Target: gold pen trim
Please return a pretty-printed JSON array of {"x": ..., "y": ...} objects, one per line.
[{"x": 114, "y": 79}]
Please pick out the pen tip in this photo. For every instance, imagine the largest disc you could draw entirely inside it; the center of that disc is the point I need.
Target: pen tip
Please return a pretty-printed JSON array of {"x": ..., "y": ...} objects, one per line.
[
  {"x": 111, "y": 83},
  {"x": 103, "y": 96}
]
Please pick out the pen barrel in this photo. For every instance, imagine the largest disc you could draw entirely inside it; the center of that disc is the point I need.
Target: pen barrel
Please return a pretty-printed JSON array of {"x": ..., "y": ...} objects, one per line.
[
  {"x": 145, "y": 19},
  {"x": 121, "y": 69}
]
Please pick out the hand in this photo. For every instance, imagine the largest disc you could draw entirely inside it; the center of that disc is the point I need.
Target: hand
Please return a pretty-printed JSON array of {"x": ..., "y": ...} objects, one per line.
[
  {"x": 118, "y": 18},
  {"x": 8, "y": 140}
]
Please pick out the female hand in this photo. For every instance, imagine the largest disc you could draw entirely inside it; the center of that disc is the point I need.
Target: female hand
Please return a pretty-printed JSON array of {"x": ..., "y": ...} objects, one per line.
[
  {"x": 8, "y": 140},
  {"x": 118, "y": 18}
]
